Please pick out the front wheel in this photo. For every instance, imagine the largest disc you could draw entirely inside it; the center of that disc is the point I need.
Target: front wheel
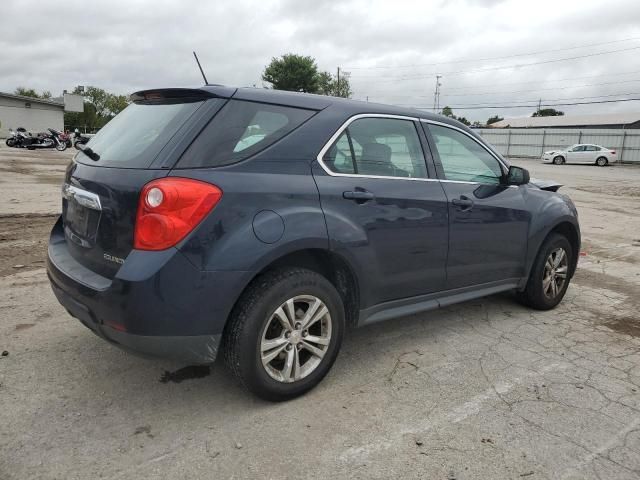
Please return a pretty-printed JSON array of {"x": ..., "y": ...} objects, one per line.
[
  {"x": 285, "y": 333},
  {"x": 602, "y": 161},
  {"x": 550, "y": 274},
  {"x": 61, "y": 146},
  {"x": 558, "y": 160},
  {"x": 10, "y": 142}
]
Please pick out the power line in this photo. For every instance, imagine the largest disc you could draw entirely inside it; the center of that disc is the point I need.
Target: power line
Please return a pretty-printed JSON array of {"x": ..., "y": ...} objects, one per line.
[
  {"x": 535, "y": 101},
  {"x": 454, "y": 88},
  {"x": 504, "y": 67},
  {"x": 493, "y": 58},
  {"x": 538, "y": 89},
  {"x": 463, "y": 107}
]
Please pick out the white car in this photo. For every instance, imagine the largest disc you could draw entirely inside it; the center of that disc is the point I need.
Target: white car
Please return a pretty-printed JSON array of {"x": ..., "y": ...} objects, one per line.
[{"x": 581, "y": 153}]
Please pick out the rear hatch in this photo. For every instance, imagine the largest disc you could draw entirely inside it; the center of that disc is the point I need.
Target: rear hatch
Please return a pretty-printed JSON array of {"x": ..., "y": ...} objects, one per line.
[{"x": 103, "y": 183}]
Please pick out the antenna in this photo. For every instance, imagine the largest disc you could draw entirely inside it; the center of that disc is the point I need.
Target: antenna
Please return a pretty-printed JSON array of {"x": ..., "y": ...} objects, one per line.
[{"x": 200, "y": 67}]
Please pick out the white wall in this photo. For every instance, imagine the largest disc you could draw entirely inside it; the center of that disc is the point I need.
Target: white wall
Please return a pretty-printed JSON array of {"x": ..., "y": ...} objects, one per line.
[
  {"x": 532, "y": 142},
  {"x": 38, "y": 118}
]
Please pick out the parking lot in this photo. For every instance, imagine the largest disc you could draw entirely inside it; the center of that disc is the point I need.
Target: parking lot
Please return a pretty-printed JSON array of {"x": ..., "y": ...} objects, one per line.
[{"x": 482, "y": 390}]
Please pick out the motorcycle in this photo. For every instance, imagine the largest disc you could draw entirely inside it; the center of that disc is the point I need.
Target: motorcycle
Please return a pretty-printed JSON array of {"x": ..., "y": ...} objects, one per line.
[
  {"x": 62, "y": 137},
  {"x": 16, "y": 139},
  {"x": 24, "y": 139},
  {"x": 45, "y": 140},
  {"x": 79, "y": 139}
]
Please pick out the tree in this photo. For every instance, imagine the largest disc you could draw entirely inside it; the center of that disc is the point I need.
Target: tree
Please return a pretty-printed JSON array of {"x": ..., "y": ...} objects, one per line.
[
  {"x": 330, "y": 85},
  {"x": 494, "y": 119},
  {"x": 100, "y": 106},
  {"x": 548, "y": 112},
  {"x": 116, "y": 103},
  {"x": 28, "y": 92},
  {"x": 448, "y": 112},
  {"x": 295, "y": 73}
]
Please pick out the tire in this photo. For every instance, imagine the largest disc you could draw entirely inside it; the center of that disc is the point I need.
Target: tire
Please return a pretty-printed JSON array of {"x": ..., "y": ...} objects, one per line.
[
  {"x": 602, "y": 161},
  {"x": 254, "y": 321},
  {"x": 10, "y": 142},
  {"x": 558, "y": 160},
  {"x": 61, "y": 146},
  {"x": 539, "y": 292}
]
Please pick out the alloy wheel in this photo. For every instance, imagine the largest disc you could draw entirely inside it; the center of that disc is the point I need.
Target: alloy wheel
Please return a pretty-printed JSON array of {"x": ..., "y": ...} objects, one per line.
[
  {"x": 555, "y": 273},
  {"x": 296, "y": 338}
]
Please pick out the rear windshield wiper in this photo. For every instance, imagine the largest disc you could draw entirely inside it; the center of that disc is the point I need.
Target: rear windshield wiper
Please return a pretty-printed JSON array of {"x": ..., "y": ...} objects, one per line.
[{"x": 88, "y": 152}]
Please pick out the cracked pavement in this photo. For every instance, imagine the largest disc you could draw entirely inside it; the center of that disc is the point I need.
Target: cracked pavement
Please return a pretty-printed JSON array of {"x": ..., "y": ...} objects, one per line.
[{"x": 482, "y": 390}]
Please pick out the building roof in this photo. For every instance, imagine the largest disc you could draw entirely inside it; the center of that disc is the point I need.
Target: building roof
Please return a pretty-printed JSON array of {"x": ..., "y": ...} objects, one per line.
[
  {"x": 32, "y": 99},
  {"x": 569, "y": 120}
]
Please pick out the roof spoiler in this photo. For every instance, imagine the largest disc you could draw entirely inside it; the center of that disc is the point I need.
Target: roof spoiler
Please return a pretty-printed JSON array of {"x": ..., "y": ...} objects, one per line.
[{"x": 181, "y": 95}]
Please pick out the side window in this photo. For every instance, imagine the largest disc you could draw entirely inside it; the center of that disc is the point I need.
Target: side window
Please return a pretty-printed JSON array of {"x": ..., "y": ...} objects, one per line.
[
  {"x": 338, "y": 158},
  {"x": 578, "y": 148},
  {"x": 380, "y": 147},
  {"x": 239, "y": 130},
  {"x": 463, "y": 158},
  {"x": 591, "y": 148}
]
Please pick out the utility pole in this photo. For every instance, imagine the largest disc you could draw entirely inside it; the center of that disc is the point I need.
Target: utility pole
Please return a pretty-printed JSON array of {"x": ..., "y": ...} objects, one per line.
[
  {"x": 338, "y": 77},
  {"x": 539, "y": 105},
  {"x": 436, "y": 95}
]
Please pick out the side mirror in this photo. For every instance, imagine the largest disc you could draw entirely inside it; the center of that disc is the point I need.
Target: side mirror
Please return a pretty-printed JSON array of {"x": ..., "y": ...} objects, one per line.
[{"x": 517, "y": 176}]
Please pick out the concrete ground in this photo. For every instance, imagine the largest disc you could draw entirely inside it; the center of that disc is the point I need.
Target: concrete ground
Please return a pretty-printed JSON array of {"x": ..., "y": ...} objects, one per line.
[{"x": 481, "y": 390}]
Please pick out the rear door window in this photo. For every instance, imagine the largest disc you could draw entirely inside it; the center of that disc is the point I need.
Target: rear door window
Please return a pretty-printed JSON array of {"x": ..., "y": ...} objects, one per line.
[
  {"x": 239, "y": 130},
  {"x": 378, "y": 147},
  {"x": 136, "y": 135}
]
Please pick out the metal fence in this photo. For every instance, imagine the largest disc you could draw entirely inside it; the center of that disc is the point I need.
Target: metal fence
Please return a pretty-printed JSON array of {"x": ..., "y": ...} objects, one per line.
[{"x": 532, "y": 142}]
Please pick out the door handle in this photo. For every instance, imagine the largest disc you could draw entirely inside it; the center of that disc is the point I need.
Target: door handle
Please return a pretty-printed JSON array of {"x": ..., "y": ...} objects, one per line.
[
  {"x": 464, "y": 203},
  {"x": 360, "y": 196}
]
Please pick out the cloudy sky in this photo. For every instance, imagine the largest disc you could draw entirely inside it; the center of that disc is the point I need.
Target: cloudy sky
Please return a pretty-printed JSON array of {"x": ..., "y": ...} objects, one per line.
[{"x": 489, "y": 52}]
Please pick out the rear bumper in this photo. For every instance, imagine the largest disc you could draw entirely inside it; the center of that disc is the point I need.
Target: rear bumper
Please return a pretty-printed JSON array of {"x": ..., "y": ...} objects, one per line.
[
  {"x": 197, "y": 349},
  {"x": 158, "y": 304}
]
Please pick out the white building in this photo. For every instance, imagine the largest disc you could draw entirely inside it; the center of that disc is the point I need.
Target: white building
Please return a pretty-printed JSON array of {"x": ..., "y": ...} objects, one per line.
[{"x": 35, "y": 114}]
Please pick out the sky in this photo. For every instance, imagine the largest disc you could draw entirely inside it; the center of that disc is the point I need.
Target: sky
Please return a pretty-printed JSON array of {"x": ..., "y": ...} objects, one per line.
[{"x": 489, "y": 52}]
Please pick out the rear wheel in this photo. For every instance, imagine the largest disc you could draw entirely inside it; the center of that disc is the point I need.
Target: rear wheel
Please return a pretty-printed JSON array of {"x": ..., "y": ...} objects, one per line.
[
  {"x": 10, "y": 142},
  {"x": 285, "y": 333},
  {"x": 558, "y": 160},
  {"x": 602, "y": 161},
  {"x": 549, "y": 276}
]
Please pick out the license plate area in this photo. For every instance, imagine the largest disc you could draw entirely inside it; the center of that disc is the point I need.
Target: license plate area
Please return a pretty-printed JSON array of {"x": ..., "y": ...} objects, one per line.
[{"x": 81, "y": 212}]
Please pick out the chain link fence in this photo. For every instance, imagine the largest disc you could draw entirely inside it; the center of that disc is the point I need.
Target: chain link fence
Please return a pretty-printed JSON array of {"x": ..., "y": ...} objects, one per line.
[{"x": 533, "y": 142}]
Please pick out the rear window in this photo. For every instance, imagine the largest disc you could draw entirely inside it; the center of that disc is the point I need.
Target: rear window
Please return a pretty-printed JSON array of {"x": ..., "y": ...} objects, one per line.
[
  {"x": 240, "y": 130},
  {"x": 136, "y": 135}
]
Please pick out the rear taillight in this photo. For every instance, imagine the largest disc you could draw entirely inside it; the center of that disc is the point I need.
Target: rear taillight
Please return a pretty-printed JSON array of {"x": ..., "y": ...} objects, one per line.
[{"x": 170, "y": 208}]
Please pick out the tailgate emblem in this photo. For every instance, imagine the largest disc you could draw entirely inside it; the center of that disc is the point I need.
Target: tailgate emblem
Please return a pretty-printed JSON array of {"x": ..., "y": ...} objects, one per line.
[
  {"x": 112, "y": 258},
  {"x": 82, "y": 197}
]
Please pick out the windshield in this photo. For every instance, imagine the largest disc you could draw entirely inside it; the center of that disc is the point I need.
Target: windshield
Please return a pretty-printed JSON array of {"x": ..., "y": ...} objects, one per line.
[{"x": 136, "y": 135}]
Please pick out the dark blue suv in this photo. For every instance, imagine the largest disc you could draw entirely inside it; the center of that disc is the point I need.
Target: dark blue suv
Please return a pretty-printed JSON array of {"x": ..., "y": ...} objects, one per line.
[{"x": 261, "y": 224}]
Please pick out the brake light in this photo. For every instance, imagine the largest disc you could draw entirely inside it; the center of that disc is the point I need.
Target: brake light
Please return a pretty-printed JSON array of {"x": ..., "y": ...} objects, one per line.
[{"x": 170, "y": 208}]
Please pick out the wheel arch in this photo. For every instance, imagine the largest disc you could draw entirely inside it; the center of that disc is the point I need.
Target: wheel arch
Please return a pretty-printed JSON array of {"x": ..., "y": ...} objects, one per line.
[
  {"x": 571, "y": 232},
  {"x": 332, "y": 266}
]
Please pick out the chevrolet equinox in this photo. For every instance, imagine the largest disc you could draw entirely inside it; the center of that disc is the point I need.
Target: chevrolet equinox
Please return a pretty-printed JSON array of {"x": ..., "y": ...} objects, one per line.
[{"x": 261, "y": 224}]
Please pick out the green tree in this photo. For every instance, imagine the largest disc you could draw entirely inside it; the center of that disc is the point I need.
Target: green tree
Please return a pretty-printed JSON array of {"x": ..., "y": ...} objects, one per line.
[
  {"x": 27, "y": 92},
  {"x": 330, "y": 85},
  {"x": 463, "y": 120},
  {"x": 494, "y": 119},
  {"x": 295, "y": 73},
  {"x": 548, "y": 112},
  {"x": 447, "y": 111},
  {"x": 116, "y": 103},
  {"x": 100, "y": 106}
]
